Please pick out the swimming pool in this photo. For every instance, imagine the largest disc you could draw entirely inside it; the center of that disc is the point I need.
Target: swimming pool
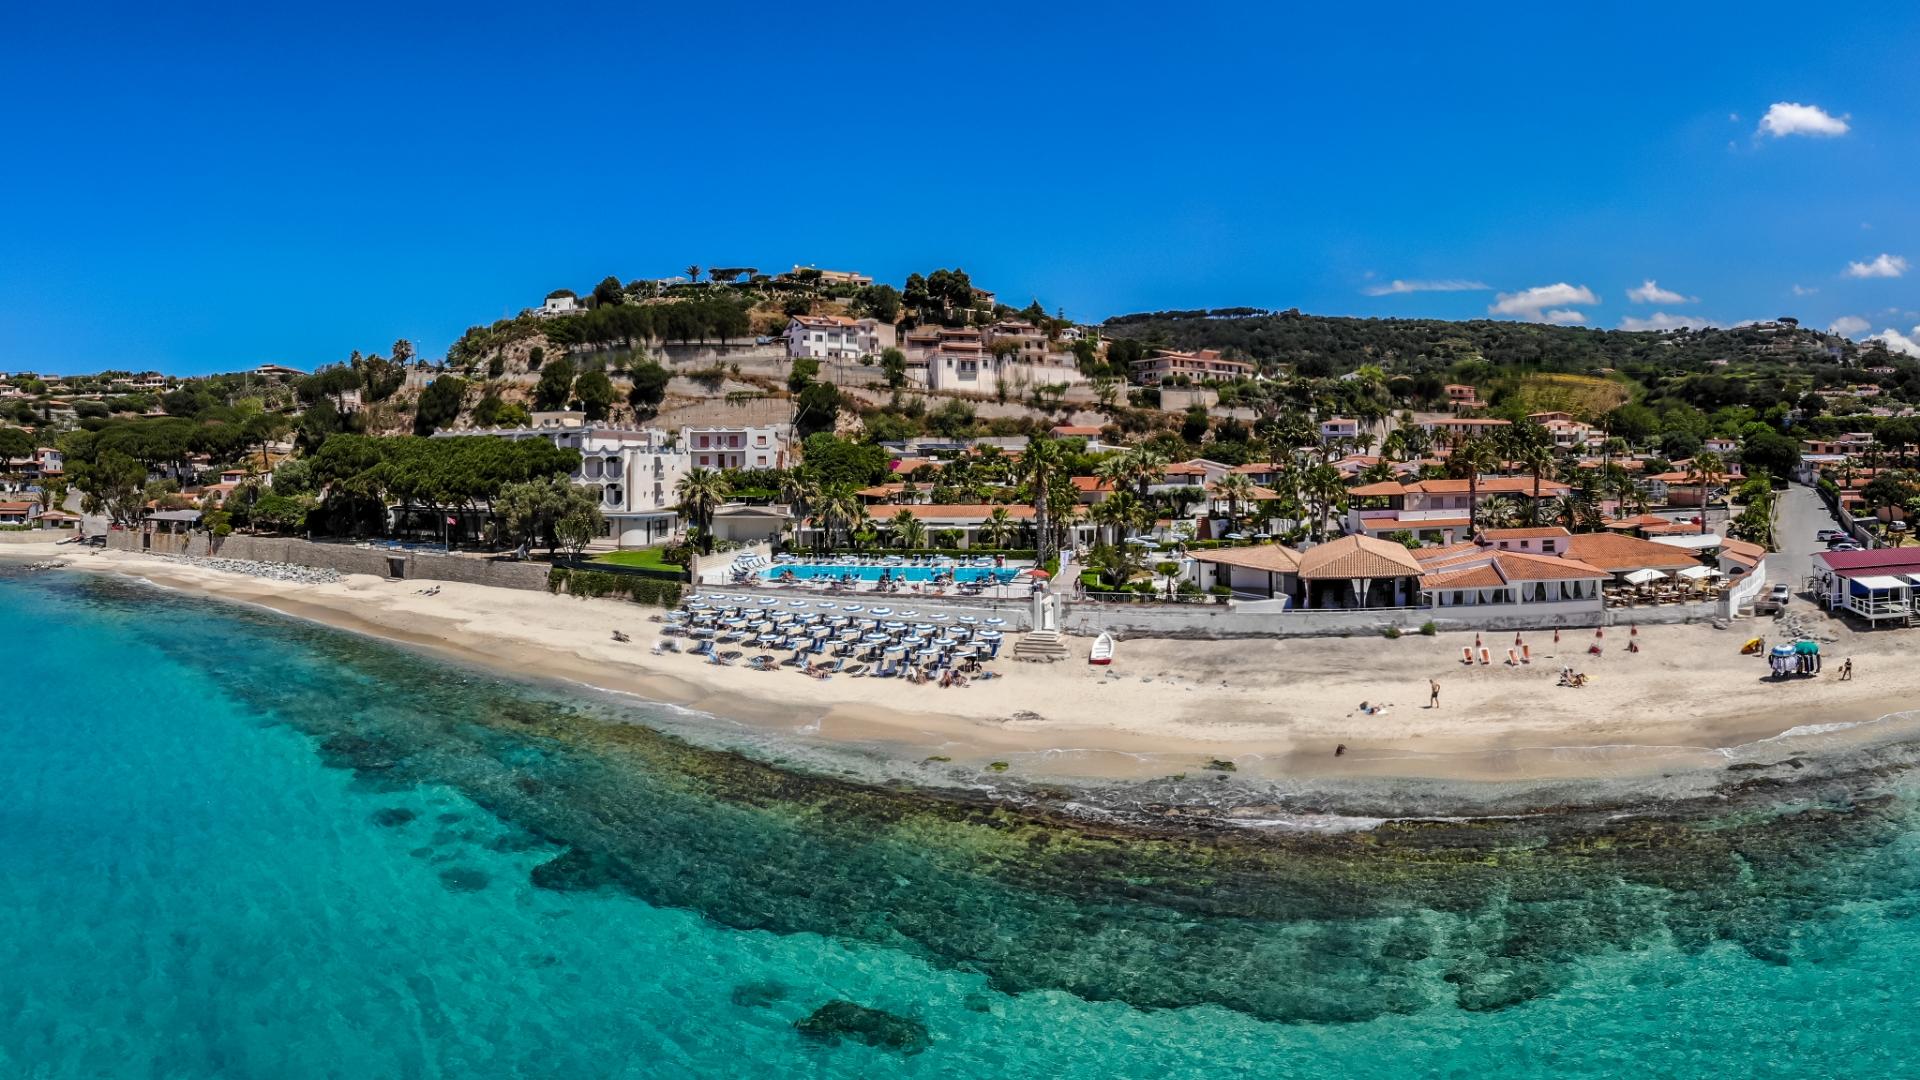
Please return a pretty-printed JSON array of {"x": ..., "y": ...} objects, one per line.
[{"x": 812, "y": 571}]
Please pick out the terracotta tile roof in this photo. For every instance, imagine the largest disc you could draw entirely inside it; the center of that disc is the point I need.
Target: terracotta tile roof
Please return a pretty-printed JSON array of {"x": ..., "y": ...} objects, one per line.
[
  {"x": 1089, "y": 484},
  {"x": 1384, "y": 487},
  {"x": 1523, "y": 566},
  {"x": 969, "y": 510},
  {"x": 1483, "y": 576},
  {"x": 1614, "y": 552},
  {"x": 1071, "y": 431},
  {"x": 1270, "y": 557},
  {"x": 1494, "y": 485},
  {"x": 1430, "y": 555},
  {"x": 1253, "y": 467},
  {"x": 1358, "y": 557},
  {"x": 1742, "y": 552},
  {"x": 15, "y": 507},
  {"x": 1540, "y": 533},
  {"x": 881, "y": 491},
  {"x": 1416, "y": 524},
  {"x": 908, "y": 464},
  {"x": 1494, "y": 568},
  {"x": 1638, "y": 521}
]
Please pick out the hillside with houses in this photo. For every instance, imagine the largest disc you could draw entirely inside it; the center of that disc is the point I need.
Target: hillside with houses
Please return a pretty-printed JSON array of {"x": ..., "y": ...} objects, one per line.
[{"x": 1223, "y": 457}]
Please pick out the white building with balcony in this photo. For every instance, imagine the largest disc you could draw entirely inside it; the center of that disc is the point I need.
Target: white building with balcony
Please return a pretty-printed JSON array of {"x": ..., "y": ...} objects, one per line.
[
  {"x": 737, "y": 447},
  {"x": 636, "y": 472},
  {"x": 836, "y": 337}
]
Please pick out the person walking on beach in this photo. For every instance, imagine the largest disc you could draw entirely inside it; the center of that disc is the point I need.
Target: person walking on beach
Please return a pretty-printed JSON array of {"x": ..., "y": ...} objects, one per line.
[
  {"x": 1846, "y": 670},
  {"x": 1433, "y": 693}
]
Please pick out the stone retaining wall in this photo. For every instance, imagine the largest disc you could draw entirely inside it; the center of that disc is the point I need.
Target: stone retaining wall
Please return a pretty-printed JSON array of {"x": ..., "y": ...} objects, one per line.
[{"x": 346, "y": 558}]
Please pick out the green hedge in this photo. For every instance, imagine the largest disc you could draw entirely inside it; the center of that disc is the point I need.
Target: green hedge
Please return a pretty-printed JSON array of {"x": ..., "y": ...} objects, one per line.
[{"x": 639, "y": 589}]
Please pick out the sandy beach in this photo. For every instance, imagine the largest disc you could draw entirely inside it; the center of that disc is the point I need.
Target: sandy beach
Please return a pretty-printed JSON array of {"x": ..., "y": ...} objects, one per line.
[{"x": 1272, "y": 707}]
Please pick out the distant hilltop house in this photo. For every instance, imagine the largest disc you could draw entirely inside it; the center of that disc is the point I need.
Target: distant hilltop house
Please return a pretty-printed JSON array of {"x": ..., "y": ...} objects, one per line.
[
  {"x": 836, "y": 337},
  {"x": 1202, "y": 366},
  {"x": 564, "y": 304},
  {"x": 833, "y": 277},
  {"x": 279, "y": 370}
]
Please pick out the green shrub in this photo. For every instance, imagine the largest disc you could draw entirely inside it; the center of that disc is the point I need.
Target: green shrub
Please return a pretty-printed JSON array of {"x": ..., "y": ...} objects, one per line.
[
  {"x": 1428, "y": 629},
  {"x": 1392, "y": 633},
  {"x": 640, "y": 590},
  {"x": 1221, "y": 590}
]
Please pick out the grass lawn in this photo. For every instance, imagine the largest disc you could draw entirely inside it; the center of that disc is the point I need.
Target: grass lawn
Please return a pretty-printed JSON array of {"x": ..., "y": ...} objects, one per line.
[{"x": 647, "y": 557}]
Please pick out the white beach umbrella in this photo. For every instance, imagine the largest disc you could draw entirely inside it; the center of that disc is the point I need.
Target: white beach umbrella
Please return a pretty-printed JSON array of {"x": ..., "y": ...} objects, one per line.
[
  {"x": 1644, "y": 575},
  {"x": 1695, "y": 573}
]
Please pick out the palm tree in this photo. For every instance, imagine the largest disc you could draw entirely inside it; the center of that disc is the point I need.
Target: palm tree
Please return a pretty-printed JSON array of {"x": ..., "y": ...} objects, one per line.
[
  {"x": 835, "y": 511},
  {"x": 1041, "y": 466},
  {"x": 1142, "y": 466},
  {"x": 1394, "y": 446},
  {"x": 998, "y": 530},
  {"x": 1708, "y": 469},
  {"x": 1326, "y": 488},
  {"x": 799, "y": 492},
  {"x": 907, "y": 530},
  {"x": 1237, "y": 491},
  {"x": 1473, "y": 456},
  {"x": 1118, "y": 511},
  {"x": 701, "y": 492},
  {"x": 1502, "y": 512},
  {"x": 1539, "y": 461}
]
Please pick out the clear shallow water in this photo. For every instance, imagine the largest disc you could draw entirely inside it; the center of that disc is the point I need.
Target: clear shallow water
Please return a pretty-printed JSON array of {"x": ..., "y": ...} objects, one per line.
[{"x": 232, "y": 845}]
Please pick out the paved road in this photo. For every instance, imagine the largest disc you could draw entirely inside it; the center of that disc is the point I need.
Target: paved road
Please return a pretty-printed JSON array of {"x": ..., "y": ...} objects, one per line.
[{"x": 1801, "y": 513}]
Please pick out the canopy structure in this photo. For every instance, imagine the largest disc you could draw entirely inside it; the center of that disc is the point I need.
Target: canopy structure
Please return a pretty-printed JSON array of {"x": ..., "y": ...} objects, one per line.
[
  {"x": 1695, "y": 573},
  {"x": 1811, "y": 648},
  {"x": 1881, "y": 582},
  {"x": 1644, "y": 575}
]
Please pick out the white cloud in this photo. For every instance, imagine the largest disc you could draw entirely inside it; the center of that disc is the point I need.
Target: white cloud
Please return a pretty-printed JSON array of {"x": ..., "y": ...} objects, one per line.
[
  {"x": 1849, "y": 325},
  {"x": 1650, "y": 292},
  {"x": 1883, "y": 265},
  {"x": 1532, "y": 304},
  {"x": 1660, "y": 320},
  {"x": 1899, "y": 342},
  {"x": 1791, "y": 118},
  {"x": 1566, "y": 317},
  {"x": 1397, "y": 286},
  {"x": 1805, "y": 290}
]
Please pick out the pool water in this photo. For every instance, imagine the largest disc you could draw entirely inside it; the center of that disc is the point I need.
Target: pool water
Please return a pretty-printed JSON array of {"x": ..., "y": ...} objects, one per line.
[{"x": 813, "y": 571}]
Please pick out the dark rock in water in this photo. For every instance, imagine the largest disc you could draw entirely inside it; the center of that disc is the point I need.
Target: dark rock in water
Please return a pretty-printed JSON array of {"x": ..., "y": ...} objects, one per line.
[
  {"x": 572, "y": 870},
  {"x": 451, "y": 817},
  {"x": 392, "y": 817},
  {"x": 464, "y": 879},
  {"x": 758, "y": 995},
  {"x": 977, "y": 1003},
  {"x": 840, "y": 1019}
]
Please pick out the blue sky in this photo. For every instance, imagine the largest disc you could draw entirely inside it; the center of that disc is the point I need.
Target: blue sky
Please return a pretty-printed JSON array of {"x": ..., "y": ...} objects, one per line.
[{"x": 212, "y": 189}]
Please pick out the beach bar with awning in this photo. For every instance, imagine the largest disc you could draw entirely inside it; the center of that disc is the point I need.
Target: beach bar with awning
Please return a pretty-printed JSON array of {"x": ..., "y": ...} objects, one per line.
[{"x": 1877, "y": 585}]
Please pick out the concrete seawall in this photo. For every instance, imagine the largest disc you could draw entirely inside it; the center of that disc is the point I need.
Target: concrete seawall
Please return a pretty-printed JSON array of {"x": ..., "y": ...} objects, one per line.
[{"x": 346, "y": 558}]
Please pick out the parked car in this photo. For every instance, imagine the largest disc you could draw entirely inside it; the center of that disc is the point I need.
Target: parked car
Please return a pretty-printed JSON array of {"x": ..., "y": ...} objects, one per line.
[
  {"x": 1826, "y": 535},
  {"x": 1780, "y": 594},
  {"x": 1845, "y": 546},
  {"x": 1836, "y": 540}
]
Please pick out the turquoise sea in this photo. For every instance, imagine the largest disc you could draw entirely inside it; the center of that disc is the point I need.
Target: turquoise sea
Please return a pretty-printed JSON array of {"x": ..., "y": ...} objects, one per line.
[{"x": 236, "y": 845}]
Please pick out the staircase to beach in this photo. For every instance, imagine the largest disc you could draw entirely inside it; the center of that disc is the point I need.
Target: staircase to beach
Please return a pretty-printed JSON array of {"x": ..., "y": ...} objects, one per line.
[{"x": 1041, "y": 646}]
